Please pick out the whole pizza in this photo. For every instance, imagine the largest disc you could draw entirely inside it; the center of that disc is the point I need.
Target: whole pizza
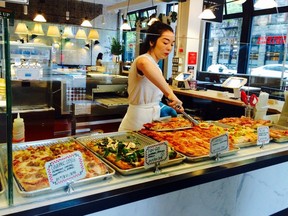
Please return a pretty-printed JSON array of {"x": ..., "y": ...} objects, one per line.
[{"x": 29, "y": 164}]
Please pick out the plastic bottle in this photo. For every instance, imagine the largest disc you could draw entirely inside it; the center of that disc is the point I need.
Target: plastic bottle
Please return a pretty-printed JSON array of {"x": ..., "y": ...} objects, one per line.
[{"x": 18, "y": 130}]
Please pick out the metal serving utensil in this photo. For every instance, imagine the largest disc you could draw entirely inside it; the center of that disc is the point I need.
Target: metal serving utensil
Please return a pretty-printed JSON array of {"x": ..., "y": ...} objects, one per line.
[
  {"x": 186, "y": 115},
  {"x": 190, "y": 118}
]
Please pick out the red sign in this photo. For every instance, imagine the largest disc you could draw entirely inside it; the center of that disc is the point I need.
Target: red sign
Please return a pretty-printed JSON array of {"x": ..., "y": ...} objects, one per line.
[
  {"x": 271, "y": 40},
  {"x": 192, "y": 57}
]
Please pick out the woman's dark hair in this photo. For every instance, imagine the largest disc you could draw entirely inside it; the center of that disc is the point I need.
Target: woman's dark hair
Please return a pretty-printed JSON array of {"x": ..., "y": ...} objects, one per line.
[
  {"x": 100, "y": 56},
  {"x": 153, "y": 33}
]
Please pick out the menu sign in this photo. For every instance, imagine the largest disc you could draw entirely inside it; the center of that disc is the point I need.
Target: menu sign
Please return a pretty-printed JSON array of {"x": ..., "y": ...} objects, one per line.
[
  {"x": 155, "y": 153},
  {"x": 263, "y": 135},
  {"x": 66, "y": 169},
  {"x": 219, "y": 144}
]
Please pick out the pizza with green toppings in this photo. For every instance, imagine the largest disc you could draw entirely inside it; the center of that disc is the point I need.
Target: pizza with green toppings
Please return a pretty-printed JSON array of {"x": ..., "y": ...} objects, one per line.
[{"x": 124, "y": 154}]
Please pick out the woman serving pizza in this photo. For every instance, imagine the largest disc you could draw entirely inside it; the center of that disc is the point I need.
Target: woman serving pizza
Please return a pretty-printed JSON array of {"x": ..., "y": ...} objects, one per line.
[{"x": 146, "y": 84}]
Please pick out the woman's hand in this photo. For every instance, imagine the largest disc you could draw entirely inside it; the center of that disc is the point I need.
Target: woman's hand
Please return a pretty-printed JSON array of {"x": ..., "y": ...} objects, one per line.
[{"x": 175, "y": 103}]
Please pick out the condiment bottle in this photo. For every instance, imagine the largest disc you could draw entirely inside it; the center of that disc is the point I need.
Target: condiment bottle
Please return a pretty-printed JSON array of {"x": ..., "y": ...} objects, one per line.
[{"x": 18, "y": 130}]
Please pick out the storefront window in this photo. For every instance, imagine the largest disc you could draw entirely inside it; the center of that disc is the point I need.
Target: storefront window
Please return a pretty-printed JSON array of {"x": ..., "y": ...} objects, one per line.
[
  {"x": 224, "y": 46},
  {"x": 280, "y": 3},
  {"x": 233, "y": 8},
  {"x": 268, "y": 51}
]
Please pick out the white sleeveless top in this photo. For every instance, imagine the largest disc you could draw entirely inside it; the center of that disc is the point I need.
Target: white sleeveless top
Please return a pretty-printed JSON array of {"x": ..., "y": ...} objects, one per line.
[
  {"x": 144, "y": 98},
  {"x": 140, "y": 89}
]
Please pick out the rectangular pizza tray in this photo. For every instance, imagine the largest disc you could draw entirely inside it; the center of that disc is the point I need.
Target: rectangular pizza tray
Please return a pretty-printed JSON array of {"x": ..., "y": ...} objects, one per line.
[
  {"x": 207, "y": 157},
  {"x": 23, "y": 146},
  {"x": 128, "y": 136},
  {"x": 282, "y": 139}
]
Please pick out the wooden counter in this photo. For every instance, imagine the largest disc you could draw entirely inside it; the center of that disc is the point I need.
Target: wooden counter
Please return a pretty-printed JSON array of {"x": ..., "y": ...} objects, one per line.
[{"x": 221, "y": 97}]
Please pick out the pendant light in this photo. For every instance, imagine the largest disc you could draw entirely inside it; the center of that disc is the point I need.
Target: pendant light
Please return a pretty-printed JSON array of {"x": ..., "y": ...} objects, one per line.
[
  {"x": 21, "y": 29},
  {"x": 265, "y": 4},
  {"x": 25, "y": 9},
  {"x": 207, "y": 14},
  {"x": 53, "y": 31},
  {"x": 67, "y": 11},
  {"x": 39, "y": 18},
  {"x": 37, "y": 30},
  {"x": 81, "y": 34},
  {"x": 152, "y": 17},
  {"x": 86, "y": 22},
  {"x": 125, "y": 25},
  {"x": 67, "y": 32},
  {"x": 239, "y": 1},
  {"x": 93, "y": 35}
]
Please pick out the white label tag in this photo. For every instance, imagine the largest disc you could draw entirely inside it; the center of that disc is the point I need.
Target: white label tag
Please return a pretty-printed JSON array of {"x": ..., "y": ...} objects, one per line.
[
  {"x": 263, "y": 135},
  {"x": 83, "y": 109},
  {"x": 155, "y": 153},
  {"x": 65, "y": 169},
  {"x": 219, "y": 144}
]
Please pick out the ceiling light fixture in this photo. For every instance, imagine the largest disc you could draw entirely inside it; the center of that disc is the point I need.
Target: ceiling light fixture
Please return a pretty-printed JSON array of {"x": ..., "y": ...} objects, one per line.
[
  {"x": 81, "y": 34},
  {"x": 68, "y": 32},
  {"x": 207, "y": 14},
  {"x": 37, "y": 30},
  {"x": 265, "y": 4},
  {"x": 86, "y": 22},
  {"x": 67, "y": 11},
  {"x": 25, "y": 9},
  {"x": 39, "y": 18},
  {"x": 125, "y": 26},
  {"x": 53, "y": 31},
  {"x": 21, "y": 29},
  {"x": 93, "y": 35},
  {"x": 153, "y": 17}
]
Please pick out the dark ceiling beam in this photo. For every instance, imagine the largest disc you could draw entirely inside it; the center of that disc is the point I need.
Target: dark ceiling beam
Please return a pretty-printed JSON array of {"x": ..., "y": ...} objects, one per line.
[{"x": 55, "y": 10}]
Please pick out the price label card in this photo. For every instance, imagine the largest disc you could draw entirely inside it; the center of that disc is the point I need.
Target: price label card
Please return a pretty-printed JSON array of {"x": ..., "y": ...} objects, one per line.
[
  {"x": 263, "y": 136},
  {"x": 219, "y": 144},
  {"x": 82, "y": 109},
  {"x": 155, "y": 153},
  {"x": 65, "y": 169}
]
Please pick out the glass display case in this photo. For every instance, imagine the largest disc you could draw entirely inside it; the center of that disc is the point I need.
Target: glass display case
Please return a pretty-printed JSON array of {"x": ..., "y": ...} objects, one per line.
[{"x": 6, "y": 176}]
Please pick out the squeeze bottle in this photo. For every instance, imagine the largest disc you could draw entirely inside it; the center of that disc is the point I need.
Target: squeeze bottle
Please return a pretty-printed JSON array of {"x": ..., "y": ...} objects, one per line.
[{"x": 18, "y": 130}]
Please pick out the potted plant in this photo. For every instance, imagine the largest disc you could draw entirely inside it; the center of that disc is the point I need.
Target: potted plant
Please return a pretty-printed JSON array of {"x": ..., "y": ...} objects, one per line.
[{"x": 116, "y": 47}]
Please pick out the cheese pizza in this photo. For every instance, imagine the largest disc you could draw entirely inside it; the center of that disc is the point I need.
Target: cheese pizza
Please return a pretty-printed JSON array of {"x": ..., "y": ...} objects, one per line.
[
  {"x": 245, "y": 121},
  {"x": 173, "y": 123},
  {"x": 29, "y": 164},
  {"x": 193, "y": 142}
]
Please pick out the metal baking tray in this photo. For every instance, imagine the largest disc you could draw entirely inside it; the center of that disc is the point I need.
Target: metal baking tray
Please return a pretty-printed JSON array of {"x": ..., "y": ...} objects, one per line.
[
  {"x": 167, "y": 119},
  {"x": 23, "y": 146},
  {"x": 207, "y": 157},
  {"x": 126, "y": 136},
  {"x": 282, "y": 139}
]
